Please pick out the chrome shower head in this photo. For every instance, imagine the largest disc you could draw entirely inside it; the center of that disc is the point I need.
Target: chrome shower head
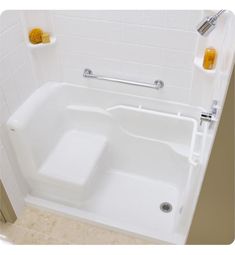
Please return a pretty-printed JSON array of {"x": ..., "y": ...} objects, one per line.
[{"x": 208, "y": 24}]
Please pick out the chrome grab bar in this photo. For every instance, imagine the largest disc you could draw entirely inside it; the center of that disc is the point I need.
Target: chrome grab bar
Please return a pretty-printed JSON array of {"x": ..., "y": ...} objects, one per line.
[{"x": 158, "y": 84}]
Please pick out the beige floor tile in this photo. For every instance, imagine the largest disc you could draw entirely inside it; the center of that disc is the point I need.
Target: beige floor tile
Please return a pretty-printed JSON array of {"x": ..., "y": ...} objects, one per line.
[
  {"x": 20, "y": 235},
  {"x": 37, "y": 220},
  {"x": 36, "y": 226}
]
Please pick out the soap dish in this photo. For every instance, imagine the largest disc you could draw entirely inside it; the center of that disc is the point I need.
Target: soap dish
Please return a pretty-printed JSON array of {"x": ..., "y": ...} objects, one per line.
[{"x": 198, "y": 62}]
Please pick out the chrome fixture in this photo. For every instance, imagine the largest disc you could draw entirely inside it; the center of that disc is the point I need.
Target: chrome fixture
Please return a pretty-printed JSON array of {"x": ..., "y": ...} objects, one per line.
[
  {"x": 158, "y": 84},
  {"x": 206, "y": 116},
  {"x": 208, "y": 24},
  {"x": 210, "y": 116}
]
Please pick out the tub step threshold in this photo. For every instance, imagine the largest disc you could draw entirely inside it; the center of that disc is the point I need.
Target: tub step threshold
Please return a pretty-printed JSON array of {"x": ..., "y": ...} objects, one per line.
[{"x": 74, "y": 159}]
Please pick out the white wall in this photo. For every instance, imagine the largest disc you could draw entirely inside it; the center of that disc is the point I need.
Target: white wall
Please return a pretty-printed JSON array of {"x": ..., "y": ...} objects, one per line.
[
  {"x": 17, "y": 82},
  {"x": 137, "y": 45}
]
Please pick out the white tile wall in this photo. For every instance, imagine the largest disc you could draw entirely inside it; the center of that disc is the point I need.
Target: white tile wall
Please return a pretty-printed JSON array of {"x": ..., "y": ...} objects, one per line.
[
  {"x": 16, "y": 75},
  {"x": 8, "y": 19},
  {"x": 10, "y": 39},
  {"x": 183, "y": 19},
  {"x": 17, "y": 82},
  {"x": 159, "y": 37},
  {"x": 139, "y": 45},
  {"x": 37, "y": 18}
]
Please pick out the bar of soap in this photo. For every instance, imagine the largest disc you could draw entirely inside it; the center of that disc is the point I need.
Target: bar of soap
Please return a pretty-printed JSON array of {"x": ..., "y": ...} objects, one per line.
[{"x": 45, "y": 38}]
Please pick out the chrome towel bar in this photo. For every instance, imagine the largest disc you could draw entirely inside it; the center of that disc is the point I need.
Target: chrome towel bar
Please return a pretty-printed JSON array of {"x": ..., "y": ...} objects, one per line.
[{"x": 158, "y": 84}]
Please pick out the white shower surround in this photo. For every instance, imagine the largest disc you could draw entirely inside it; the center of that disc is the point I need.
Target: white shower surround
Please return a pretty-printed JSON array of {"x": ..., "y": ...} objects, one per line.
[
  {"x": 111, "y": 155},
  {"x": 112, "y": 43}
]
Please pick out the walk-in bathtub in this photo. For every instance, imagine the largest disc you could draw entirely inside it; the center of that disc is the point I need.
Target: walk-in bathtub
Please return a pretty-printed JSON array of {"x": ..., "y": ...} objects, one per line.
[{"x": 111, "y": 158}]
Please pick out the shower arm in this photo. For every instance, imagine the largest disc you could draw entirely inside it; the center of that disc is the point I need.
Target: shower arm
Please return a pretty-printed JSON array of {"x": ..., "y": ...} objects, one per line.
[{"x": 217, "y": 15}]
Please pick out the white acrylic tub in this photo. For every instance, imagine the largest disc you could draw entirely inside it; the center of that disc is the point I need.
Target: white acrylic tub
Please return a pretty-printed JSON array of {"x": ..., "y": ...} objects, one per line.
[{"x": 109, "y": 158}]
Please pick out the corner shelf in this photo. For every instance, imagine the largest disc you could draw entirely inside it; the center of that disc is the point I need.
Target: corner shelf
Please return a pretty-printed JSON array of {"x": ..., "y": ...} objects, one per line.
[
  {"x": 42, "y": 45},
  {"x": 198, "y": 62}
]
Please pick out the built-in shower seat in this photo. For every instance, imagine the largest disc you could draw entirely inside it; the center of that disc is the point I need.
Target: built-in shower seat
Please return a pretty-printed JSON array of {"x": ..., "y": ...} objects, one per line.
[{"x": 75, "y": 157}]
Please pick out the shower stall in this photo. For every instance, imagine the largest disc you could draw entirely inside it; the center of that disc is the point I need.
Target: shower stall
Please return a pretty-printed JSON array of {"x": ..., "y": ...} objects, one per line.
[{"x": 120, "y": 124}]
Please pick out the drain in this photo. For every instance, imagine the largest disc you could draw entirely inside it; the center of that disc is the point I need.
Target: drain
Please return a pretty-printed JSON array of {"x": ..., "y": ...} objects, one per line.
[{"x": 166, "y": 207}]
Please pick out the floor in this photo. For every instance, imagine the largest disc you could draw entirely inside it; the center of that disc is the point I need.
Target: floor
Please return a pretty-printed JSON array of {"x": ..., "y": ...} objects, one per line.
[{"x": 36, "y": 226}]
